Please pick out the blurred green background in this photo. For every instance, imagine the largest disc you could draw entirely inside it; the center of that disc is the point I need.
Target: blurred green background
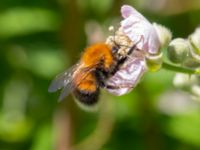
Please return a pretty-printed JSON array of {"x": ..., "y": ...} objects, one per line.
[{"x": 41, "y": 38}]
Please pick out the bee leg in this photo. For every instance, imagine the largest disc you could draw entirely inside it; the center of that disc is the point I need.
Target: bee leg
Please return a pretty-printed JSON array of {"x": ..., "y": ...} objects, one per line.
[
  {"x": 101, "y": 77},
  {"x": 111, "y": 87},
  {"x": 116, "y": 87}
]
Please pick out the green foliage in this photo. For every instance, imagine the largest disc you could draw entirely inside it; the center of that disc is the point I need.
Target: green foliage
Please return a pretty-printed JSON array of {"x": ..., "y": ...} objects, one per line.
[{"x": 36, "y": 44}]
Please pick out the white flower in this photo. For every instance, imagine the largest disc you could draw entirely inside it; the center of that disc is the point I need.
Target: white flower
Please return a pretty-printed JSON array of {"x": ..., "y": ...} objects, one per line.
[
  {"x": 129, "y": 74},
  {"x": 135, "y": 26},
  {"x": 139, "y": 30}
]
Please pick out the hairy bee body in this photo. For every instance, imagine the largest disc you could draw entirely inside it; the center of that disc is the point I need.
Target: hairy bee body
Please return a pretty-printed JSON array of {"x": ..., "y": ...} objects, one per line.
[
  {"x": 97, "y": 63},
  {"x": 87, "y": 91},
  {"x": 98, "y": 58},
  {"x": 88, "y": 76}
]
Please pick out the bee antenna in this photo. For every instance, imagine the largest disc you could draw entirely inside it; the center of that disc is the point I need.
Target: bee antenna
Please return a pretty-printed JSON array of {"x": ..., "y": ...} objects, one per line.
[{"x": 134, "y": 46}]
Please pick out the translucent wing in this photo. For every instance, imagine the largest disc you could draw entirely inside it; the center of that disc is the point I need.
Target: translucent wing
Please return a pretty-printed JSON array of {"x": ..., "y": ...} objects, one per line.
[
  {"x": 65, "y": 91},
  {"x": 65, "y": 80},
  {"x": 70, "y": 86},
  {"x": 62, "y": 80}
]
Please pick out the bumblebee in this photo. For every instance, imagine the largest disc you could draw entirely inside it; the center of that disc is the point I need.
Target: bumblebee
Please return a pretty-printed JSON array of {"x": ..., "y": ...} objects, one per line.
[{"x": 97, "y": 63}]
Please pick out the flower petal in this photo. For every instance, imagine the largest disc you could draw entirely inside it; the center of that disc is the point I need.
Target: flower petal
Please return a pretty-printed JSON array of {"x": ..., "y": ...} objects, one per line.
[
  {"x": 139, "y": 30},
  {"x": 135, "y": 26},
  {"x": 126, "y": 11},
  {"x": 128, "y": 76}
]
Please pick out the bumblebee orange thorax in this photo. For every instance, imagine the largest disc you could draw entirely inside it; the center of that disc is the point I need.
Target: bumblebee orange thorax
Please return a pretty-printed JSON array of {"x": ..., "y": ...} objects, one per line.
[{"x": 96, "y": 54}]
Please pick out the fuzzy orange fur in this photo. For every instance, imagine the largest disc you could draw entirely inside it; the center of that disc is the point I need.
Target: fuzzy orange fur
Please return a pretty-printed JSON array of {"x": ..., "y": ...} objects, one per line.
[{"x": 96, "y": 54}]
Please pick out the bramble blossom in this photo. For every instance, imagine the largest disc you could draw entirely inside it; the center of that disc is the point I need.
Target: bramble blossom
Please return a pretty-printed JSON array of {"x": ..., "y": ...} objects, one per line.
[{"x": 139, "y": 30}]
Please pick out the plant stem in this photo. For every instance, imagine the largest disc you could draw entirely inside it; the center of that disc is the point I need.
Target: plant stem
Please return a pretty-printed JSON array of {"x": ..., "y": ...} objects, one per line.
[{"x": 180, "y": 69}]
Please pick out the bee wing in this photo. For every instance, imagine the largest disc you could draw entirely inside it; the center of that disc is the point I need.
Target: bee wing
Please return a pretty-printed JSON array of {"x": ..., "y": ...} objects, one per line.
[
  {"x": 70, "y": 87},
  {"x": 65, "y": 80},
  {"x": 62, "y": 80},
  {"x": 65, "y": 91}
]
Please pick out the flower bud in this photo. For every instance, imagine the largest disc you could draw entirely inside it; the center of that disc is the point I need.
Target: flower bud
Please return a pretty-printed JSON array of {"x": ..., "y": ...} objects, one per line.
[
  {"x": 184, "y": 81},
  {"x": 154, "y": 62},
  {"x": 195, "y": 90},
  {"x": 164, "y": 34},
  {"x": 191, "y": 62},
  {"x": 178, "y": 50},
  {"x": 195, "y": 43},
  {"x": 195, "y": 39}
]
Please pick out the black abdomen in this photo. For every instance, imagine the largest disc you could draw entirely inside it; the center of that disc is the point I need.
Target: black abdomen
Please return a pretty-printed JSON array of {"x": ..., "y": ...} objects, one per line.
[{"x": 87, "y": 98}]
